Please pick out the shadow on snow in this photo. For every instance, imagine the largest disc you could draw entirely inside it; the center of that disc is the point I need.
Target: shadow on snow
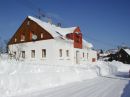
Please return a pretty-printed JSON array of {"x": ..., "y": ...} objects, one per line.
[{"x": 126, "y": 90}]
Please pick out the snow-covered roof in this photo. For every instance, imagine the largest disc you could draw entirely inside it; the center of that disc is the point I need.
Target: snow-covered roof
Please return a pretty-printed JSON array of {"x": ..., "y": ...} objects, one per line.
[
  {"x": 58, "y": 31},
  {"x": 53, "y": 29},
  {"x": 86, "y": 44},
  {"x": 127, "y": 51}
]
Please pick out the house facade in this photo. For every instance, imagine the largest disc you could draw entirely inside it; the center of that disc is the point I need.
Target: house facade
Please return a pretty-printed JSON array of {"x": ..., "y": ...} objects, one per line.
[{"x": 47, "y": 43}]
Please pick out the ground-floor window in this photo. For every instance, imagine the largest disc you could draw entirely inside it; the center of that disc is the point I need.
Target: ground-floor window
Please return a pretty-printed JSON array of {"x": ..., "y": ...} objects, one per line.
[
  {"x": 87, "y": 55},
  {"x": 60, "y": 52},
  {"x": 23, "y": 54},
  {"x": 43, "y": 53},
  {"x": 32, "y": 53},
  {"x": 83, "y": 54},
  {"x": 14, "y": 54},
  {"x": 67, "y": 53}
]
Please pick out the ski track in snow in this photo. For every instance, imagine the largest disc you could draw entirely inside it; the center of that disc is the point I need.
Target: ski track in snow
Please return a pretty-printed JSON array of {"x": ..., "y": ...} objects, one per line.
[{"x": 110, "y": 86}]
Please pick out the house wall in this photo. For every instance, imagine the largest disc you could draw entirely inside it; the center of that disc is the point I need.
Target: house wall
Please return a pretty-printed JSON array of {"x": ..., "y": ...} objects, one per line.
[
  {"x": 87, "y": 57},
  {"x": 52, "y": 47}
]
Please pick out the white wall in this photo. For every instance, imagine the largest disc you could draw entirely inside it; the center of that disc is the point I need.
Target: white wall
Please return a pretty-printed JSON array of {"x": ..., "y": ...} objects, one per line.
[{"x": 52, "y": 47}]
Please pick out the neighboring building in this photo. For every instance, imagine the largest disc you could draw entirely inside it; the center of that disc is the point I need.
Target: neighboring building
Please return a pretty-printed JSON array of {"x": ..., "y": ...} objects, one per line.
[
  {"x": 123, "y": 55},
  {"x": 36, "y": 40}
]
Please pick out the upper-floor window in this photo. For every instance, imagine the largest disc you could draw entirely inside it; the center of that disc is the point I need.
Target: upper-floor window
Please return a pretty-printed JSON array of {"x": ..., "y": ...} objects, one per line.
[
  {"x": 23, "y": 54},
  {"x": 43, "y": 53},
  {"x": 67, "y": 53},
  {"x": 41, "y": 35},
  {"x": 22, "y": 37},
  {"x": 15, "y": 40},
  {"x": 28, "y": 23},
  {"x": 60, "y": 52},
  {"x": 32, "y": 53}
]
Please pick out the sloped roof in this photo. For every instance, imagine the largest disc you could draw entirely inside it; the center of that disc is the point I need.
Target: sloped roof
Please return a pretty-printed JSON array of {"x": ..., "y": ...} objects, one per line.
[
  {"x": 86, "y": 44},
  {"x": 127, "y": 51},
  {"x": 53, "y": 29},
  {"x": 58, "y": 31}
]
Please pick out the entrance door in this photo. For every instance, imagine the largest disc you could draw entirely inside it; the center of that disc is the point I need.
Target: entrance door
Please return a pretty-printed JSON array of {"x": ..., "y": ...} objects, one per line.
[{"x": 77, "y": 57}]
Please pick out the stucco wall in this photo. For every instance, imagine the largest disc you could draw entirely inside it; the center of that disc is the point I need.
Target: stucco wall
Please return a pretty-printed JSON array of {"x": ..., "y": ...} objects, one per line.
[{"x": 52, "y": 47}]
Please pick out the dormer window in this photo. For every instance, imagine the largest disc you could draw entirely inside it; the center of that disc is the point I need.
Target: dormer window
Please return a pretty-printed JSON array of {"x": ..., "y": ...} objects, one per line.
[
  {"x": 23, "y": 37},
  {"x": 41, "y": 35}
]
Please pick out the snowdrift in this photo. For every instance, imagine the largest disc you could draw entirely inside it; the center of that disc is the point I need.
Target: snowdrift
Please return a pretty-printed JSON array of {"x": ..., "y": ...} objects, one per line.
[{"x": 21, "y": 77}]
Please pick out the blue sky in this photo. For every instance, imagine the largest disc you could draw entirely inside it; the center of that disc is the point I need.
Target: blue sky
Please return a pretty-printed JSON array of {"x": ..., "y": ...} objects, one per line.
[{"x": 105, "y": 23}]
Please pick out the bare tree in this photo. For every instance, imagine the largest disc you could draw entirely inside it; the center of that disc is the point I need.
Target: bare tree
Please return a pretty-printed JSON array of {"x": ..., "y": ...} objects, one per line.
[
  {"x": 18, "y": 51},
  {"x": 1, "y": 46}
]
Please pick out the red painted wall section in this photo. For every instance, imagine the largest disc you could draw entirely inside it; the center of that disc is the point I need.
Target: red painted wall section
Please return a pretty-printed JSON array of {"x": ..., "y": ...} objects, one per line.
[{"x": 77, "y": 38}]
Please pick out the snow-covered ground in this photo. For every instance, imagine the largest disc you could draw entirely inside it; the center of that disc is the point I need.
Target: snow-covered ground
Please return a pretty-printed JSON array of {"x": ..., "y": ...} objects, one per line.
[
  {"x": 18, "y": 78},
  {"x": 97, "y": 87}
]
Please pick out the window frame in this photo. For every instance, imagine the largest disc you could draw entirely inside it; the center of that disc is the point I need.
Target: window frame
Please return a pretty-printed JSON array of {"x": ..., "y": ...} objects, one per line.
[
  {"x": 67, "y": 53},
  {"x": 23, "y": 54},
  {"x": 22, "y": 37},
  {"x": 60, "y": 53},
  {"x": 43, "y": 53},
  {"x": 42, "y": 35},
  {"x": 32, "y": 53}
]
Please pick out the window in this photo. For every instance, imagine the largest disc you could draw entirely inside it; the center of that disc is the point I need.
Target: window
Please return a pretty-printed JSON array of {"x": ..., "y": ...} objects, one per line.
[
  {"x": 15, "y": 40},
  {"x": 60, "y": 52},
  {"x": 83, "y": 54},
  {"x": 23, "y": 54},
  {"x": 87, "y": 55},
  {"x": 28, "y": 23},
  {"x": 43, "y": 53},
  {"x": 67, "y": 53},
  {"x": 23, "y": 37},
  {"x": 32, "y": 53},
  {"x": 41, "y": 35},
  {"x": 15, "y": 54}
]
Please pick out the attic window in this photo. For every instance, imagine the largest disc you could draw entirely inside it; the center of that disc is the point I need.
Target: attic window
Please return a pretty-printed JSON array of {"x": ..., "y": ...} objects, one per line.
[
  {"x": 28, "y": 23},
  {"x": 23, "y": 37},
  {"x": 15, "y": 40},
  {"x": 41, "y": 35}
]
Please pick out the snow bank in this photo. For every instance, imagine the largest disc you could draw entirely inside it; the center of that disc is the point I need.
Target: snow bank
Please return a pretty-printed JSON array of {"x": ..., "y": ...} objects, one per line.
[
  {"x": 22, "y": 77},
  {"x": 121, "y": 67}
]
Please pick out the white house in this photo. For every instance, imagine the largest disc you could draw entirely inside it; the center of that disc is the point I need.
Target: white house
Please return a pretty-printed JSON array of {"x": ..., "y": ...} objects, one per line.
[{"x": 36, "y": 40}]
